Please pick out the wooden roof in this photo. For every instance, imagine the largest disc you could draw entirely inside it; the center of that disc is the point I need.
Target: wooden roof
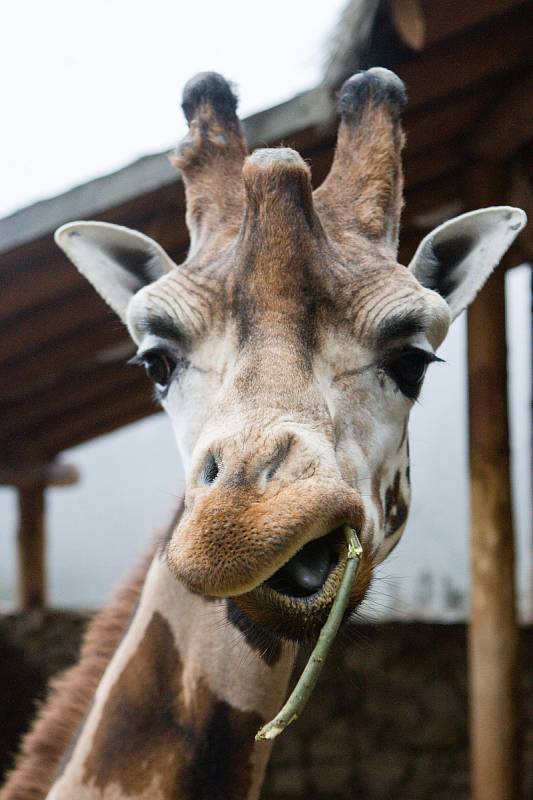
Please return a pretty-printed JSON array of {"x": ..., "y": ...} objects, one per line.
[{"x": 468, "y": 68}]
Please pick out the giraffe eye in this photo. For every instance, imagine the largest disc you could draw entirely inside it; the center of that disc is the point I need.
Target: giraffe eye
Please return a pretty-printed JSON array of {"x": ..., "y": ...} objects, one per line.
[
  {"x": 407, "y": 370},
  {"x": 159, "y": 367}
]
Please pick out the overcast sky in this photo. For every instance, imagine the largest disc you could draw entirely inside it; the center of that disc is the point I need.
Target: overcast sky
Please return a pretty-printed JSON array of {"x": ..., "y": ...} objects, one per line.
[{"x": 90, "y": 86}]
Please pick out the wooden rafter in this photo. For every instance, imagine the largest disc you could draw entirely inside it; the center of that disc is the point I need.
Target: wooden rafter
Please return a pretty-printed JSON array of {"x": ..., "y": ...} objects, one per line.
[
  {"x": 508, "y": 125},
  {"x": 421, "y": 23},
  {"x": 521, "y": 195},
  {"x": 476, "y": 56}
]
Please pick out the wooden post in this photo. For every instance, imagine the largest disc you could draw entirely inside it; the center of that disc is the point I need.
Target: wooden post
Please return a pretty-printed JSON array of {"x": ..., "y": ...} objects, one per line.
[
  {"x": 493, "y": 633},
  {"x": 31, "y": 547},
  {"x": 30, "y": 482}
]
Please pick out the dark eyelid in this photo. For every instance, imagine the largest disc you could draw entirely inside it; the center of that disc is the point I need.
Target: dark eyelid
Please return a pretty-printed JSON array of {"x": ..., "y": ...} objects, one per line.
[
  {"x": 399, "y": 327},
  {"x": 179, "y": 363},
  {"x": 388, "y": 357},
  {"x": 139, "y": 358},
  {"x": 408, "y": 384},
  {"x": 162, "y": 327},
  {"x": 408, "y": 350}
]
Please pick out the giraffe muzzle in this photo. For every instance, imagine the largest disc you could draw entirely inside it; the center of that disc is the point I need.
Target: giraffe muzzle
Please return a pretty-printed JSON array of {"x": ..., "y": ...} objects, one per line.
[{"x": 233, "y": 537}]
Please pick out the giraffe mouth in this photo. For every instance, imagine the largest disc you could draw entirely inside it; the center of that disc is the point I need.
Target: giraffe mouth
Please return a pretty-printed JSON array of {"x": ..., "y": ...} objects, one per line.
[
  {"x": 295, "y": 601},
  {"x": 308, "y": 571}
]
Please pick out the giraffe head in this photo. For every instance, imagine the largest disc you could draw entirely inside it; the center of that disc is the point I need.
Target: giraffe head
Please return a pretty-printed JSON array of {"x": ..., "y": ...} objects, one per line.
[{"x": 289, "y": 347}]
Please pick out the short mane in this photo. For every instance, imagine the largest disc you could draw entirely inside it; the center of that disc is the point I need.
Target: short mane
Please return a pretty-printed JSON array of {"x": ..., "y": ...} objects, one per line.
[{"x": 70, "y": 695}]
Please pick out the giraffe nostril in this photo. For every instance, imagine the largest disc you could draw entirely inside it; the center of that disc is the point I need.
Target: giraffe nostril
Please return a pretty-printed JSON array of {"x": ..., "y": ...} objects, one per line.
[
  {"x": 279, "y": 456},
  {"x": 210, "y": 470}
]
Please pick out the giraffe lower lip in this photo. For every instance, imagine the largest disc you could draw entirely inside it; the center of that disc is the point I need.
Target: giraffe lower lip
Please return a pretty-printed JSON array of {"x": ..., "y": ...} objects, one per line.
[
  {"x": 308, "y": 570},
  {"x": 288, "y": 611}
]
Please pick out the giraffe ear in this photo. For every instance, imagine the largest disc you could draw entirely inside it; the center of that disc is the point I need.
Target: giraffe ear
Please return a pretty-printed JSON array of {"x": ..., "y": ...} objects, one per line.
[
  {"x": 116, "y": 260},
  {"x": 456, "y": 258}
]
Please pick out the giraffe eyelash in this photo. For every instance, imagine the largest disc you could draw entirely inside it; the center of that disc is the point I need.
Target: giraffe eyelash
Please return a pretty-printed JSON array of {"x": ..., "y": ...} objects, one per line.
[
  {"x": 161, "y": 367},
  {"x": 407, "y": 369}
]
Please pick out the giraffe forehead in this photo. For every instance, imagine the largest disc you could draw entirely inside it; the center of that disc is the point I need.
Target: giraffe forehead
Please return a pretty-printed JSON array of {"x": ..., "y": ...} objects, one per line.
[{"x": 296, "y": 297}]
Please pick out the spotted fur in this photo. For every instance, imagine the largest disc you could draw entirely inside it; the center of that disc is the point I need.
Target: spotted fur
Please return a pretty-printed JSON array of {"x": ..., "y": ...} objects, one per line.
[
  {"x": 147, "y": 731},
  {"x": 48, "y": 744}
]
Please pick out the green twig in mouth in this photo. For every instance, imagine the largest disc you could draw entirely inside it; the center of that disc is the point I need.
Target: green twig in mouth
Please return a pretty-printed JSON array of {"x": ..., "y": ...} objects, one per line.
[{"x": 303, "y": 689}]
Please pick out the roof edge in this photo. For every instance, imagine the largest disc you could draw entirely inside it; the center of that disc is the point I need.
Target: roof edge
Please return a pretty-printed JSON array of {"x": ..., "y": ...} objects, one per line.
[{"x": 314, "y": 109}]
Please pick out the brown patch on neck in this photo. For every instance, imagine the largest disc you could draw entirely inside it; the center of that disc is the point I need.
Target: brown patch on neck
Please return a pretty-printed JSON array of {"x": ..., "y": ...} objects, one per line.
[
  {"x": 395, "y": 507},
  {"x": 376, "y": 494},
  {"x": 201, "y": 750},
  {"x": 50, "y": 740}
]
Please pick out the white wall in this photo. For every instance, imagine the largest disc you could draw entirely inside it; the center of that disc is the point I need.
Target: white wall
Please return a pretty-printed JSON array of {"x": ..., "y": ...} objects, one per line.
[{"x": 131, "y": 480}]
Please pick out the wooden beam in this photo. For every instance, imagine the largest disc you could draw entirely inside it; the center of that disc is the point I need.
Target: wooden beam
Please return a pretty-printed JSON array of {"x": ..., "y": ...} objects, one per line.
[
  {"x": 432, "y": 163},
  {"x": 28, "y": 476},
  {"x": 54, "y": 358},
  {"x": 410, "y": 22},
  {"x": 93, "y": 393},
  {"x": 521, "y": 195},
  {"x": 421, "y": 23},
  {"x": 449, "y": 119},
  {"x": 87, "y": 383},
  {"x": 477, "y": 55},
  {"x": 31, "y": 547},
  {"x": 24, "y": 333},
  {"x": 453, "y": 16},
  {"x": 493, "y": 631},
  {"x": 506, "y": 126},
  {"x": 86, "y": 422},
  {"x": 434, "y": 194}
]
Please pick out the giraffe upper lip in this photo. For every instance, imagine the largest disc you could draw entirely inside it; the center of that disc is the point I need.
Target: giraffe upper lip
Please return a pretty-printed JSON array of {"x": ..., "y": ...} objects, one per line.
[{"x": 230, "y": 544}]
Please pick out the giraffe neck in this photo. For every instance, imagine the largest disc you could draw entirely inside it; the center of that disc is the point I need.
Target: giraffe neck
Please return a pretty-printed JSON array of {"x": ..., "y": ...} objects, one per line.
[{"x": 177, "y": 709}]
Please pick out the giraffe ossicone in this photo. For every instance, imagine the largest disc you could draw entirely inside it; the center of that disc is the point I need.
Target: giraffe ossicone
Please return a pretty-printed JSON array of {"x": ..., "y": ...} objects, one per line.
[{"x": 288, "y": 350}]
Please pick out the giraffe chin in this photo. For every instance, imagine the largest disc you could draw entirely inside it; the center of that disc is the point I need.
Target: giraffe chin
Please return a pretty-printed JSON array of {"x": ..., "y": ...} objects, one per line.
[{"x": 300, "y": 618}]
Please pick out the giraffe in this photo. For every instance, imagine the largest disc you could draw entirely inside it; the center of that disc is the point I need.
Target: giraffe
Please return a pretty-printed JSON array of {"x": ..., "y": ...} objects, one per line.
[{"x": 288, "y": 350}]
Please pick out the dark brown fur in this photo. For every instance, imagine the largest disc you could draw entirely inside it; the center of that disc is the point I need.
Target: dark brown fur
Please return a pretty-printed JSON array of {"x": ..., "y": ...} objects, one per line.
[
  {"x": 395, "y": 507},
  {"x": 363, "y": 190},
  {"x": 197, "y": 751},
  {"x": 71, "y": 694},
  {"x": 261, "y": 640},
  {"x": 210, "y": 158}
]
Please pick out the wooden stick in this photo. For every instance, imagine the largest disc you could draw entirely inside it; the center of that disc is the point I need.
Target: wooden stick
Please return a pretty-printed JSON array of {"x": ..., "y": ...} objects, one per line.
[{"x": 307, "y": 682}]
